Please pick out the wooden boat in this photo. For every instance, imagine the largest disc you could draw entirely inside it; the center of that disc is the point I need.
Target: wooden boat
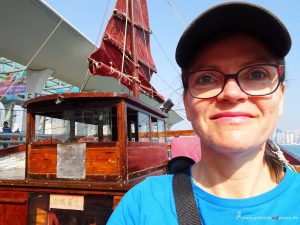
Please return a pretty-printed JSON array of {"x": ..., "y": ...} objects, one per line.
[
  {"x": 75, "y": 168},
  {"x": 95, "y": 145}
]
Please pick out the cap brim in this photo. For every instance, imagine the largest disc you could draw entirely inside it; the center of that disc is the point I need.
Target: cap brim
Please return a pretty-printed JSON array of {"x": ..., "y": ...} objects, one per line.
[{"x": 233, "y": 17}]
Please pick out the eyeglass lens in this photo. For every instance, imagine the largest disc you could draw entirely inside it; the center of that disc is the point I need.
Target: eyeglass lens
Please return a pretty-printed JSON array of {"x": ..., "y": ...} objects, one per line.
[{"x": 254, "y": 80}]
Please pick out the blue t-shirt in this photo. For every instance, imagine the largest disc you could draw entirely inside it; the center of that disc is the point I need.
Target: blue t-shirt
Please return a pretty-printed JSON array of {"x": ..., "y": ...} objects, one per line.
[{"x": 151, "y": 203}]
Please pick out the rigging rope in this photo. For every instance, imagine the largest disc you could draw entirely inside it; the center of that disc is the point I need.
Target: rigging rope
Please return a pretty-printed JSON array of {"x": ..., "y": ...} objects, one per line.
[
  {"x": 174, "y": 67},
  {"x": 171, "y": 63},
  {"x": 124, "y": 48},
  {"x": 181, "y": 22},
  {"x": 183, "y": 25},
  {"x": 147, "y": 55},
  {"x": 125, "y": 37},
  {"x": 87, "y": 75},
  {"x": 133, "y": 40}
]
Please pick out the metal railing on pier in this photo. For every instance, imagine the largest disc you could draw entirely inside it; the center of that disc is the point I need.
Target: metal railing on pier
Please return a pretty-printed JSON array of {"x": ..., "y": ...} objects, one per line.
[{"x": 15, "y": 138}]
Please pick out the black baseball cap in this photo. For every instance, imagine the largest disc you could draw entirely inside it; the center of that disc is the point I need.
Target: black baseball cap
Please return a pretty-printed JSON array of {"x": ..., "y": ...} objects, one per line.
[{"x": 233, "y": 17}]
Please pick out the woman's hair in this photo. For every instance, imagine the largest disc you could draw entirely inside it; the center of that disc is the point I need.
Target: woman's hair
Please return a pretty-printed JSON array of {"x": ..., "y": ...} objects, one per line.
[{"x": 274, "y": 164}]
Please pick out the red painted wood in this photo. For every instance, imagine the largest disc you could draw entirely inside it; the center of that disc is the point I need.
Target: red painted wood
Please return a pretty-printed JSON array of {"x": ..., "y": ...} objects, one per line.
[
  {"x": 145, "y": 155},
  {"x": 122, "y": 136},
  {"x": 13, "y": 207}
]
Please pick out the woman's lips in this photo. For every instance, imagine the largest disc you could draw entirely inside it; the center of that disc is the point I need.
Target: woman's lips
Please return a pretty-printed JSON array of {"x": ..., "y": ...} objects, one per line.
[{"x": 232, "y": 117}]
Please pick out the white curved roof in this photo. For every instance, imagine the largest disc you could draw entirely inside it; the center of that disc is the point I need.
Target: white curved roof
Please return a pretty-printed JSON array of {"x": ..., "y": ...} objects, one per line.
[{"x": 27, "y": 24}]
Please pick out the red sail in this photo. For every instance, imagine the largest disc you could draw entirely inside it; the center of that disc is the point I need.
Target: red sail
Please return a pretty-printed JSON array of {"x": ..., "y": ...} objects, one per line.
[{"x": 107, "y": 60}]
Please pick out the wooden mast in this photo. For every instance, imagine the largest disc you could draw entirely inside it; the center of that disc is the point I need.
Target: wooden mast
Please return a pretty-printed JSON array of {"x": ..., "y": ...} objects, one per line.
[{"x": 136, "y": 86}]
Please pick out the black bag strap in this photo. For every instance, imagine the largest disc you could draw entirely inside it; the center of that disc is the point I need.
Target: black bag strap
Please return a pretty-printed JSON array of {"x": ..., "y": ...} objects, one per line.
[{"x": 186, "y": 207}]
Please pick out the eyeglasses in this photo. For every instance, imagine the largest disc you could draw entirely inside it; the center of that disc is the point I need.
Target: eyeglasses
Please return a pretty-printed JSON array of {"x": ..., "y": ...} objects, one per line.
[{"x": 254, "y": 80}]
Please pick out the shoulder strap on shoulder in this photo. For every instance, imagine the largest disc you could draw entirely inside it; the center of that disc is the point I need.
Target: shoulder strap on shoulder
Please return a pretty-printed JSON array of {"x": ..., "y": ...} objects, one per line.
[{"x": 186, "y": 207}]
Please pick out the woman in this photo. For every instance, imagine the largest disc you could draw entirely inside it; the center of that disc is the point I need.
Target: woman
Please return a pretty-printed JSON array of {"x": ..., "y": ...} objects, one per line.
[{"x": 232, "y": 60}]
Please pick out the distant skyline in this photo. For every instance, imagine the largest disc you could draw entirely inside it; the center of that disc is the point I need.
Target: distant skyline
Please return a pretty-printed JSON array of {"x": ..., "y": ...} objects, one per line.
[{"x": 168, "y": 19}]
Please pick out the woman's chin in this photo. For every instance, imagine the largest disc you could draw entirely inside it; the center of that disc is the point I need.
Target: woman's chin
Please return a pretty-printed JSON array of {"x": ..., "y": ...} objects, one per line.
[{"x": 235, "y": 142}]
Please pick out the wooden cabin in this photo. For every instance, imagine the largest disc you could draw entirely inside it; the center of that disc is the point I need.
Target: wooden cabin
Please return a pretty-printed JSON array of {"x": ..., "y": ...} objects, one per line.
[{"x": 83, "y": 152}]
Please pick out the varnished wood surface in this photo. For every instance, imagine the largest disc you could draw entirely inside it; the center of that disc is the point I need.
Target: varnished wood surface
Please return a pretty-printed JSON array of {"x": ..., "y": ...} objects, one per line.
[
  {"x": 13, "y": 207},
  {"x": 178, "y": 133},
  {"x": 102, "y": 161},
  {"x": 65, "y": 186},
  {"x": 170, "y": 133},
  {"x": 42, "y": 160},
  {"x": 122, "y": 134}
]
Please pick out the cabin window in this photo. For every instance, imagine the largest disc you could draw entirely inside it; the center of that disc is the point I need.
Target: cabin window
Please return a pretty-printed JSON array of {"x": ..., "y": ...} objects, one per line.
[
  {"x": 143, "y": 127},
  {"x": 157, "y": 130},
  {"x": 132, "y": 125},
  {"x": 161, "y": 128},
  {"x": 95, "y": 125},
  {"x": 154, "y": 130},
  {"x": 140, "y": 129},
  {"x": 138, "y": 126}
]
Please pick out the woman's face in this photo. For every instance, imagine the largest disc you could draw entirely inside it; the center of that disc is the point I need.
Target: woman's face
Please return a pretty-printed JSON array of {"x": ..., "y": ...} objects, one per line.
[{"x": 233, "y": 121}]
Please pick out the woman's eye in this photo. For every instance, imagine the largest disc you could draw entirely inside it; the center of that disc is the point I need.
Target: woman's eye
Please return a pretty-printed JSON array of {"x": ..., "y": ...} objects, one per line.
[
  {"x": 257, "y": 75},
  {"x": 205, "y": 79}
]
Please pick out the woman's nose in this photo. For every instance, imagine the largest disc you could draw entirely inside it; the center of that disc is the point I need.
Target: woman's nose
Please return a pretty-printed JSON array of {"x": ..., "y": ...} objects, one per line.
[{"x": 232, "y": 91}]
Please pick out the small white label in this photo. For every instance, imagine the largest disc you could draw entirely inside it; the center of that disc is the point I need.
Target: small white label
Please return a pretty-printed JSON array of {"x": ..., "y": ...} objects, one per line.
[{"x": 72, "y": 202}]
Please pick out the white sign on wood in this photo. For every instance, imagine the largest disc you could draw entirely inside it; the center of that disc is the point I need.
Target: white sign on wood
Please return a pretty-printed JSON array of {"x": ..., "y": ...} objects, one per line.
[
  {"x": 71, "y": 161},
  {"x": 71, "y": 202}
]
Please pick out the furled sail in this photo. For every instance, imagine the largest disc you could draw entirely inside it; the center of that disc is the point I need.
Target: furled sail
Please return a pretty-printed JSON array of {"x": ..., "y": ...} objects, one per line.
[{"x": 135, "y": 63}]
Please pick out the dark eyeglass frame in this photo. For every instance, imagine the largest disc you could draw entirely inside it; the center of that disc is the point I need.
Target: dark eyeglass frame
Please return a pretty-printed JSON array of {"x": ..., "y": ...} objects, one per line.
[{"x": 234, "y": 76}]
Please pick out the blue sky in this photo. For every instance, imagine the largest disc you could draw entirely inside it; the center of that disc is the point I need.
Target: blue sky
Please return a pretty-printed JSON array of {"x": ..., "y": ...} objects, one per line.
[{"x": 168, "y": 19}]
